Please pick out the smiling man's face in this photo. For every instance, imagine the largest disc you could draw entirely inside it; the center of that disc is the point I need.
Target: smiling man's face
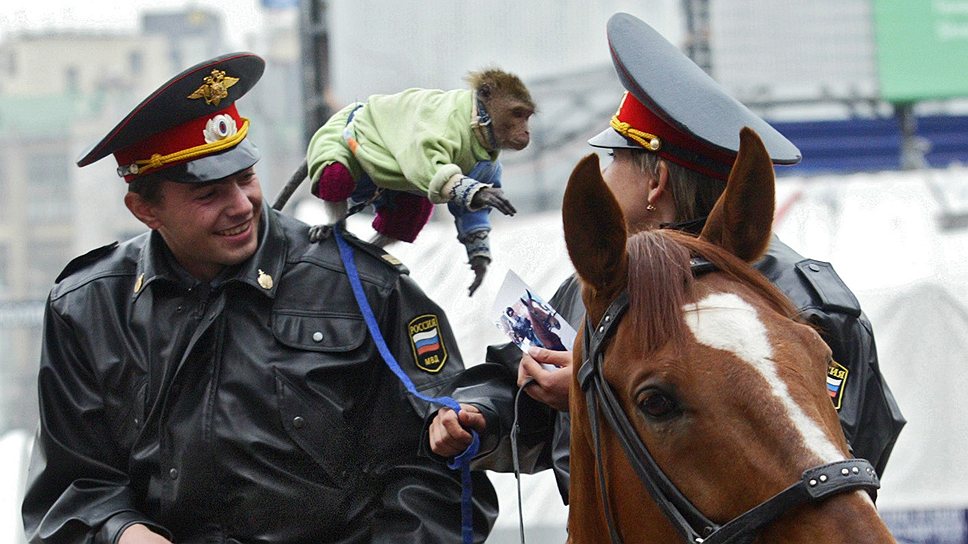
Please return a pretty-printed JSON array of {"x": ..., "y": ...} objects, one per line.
[{"x": 209, "y": 226}]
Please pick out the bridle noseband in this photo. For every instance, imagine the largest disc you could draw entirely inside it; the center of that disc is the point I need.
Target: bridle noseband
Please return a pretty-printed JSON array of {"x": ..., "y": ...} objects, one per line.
[{"x": 816, "y": 484}]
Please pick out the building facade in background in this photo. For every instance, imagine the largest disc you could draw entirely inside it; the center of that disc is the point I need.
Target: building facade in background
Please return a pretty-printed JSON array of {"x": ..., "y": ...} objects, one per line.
[
  {"x": 58, "y": 93},
  {"x": 61, "y": 92}
]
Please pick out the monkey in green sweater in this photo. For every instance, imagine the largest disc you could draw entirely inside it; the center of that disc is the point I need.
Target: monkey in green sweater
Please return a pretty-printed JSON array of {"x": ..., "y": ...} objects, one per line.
[{"x": 405, "y": 152}]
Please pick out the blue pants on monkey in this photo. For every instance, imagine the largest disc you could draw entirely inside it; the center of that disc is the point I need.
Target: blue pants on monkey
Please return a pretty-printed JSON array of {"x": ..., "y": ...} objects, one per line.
[{"x": 402, "y": 215}]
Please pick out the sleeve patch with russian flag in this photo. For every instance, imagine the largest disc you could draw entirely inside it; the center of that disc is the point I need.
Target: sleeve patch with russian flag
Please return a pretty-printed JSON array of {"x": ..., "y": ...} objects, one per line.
[
  {"x": 427, "y": 343},
  {"x": 836, "y": 382}
]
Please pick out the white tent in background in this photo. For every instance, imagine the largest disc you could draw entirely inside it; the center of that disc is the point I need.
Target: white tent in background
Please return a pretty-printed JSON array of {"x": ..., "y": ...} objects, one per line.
[
  {"x": 900, "y": 240},
  {"x": 14, "y": 454}
]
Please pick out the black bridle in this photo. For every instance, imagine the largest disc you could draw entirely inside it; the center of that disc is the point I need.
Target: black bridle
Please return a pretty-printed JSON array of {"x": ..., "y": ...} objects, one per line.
[{"x": 815, "y": 484}]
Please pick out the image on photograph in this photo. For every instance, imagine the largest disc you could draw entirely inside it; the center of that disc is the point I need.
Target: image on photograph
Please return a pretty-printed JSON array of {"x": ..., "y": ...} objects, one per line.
[{"x": 527, "y": 319}]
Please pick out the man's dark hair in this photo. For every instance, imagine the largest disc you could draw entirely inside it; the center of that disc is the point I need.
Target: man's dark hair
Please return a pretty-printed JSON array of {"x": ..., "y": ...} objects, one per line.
[{"x": 147, "y": 187}]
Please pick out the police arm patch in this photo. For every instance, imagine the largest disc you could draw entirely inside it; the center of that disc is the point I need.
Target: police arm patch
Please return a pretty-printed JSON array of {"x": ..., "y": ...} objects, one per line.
[
  {"x": 836, "y": 382},
  {"x": 427, "y": 343}
]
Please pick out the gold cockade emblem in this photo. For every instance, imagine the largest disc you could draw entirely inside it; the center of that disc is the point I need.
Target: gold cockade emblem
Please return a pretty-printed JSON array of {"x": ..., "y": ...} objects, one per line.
[
  {"x": 215, "y": 87},
  {"x": 265, "y": 280}
]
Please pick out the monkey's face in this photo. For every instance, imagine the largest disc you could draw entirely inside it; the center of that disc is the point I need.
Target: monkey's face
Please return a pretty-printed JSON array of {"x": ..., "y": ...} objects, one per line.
[{"x": 510, "y": 117}]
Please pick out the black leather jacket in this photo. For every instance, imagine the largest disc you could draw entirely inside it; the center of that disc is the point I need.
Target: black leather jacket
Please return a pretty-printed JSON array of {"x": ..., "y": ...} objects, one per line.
[
  {"x": 252, "y": 409},
  {"x": 868, "y": 412}
]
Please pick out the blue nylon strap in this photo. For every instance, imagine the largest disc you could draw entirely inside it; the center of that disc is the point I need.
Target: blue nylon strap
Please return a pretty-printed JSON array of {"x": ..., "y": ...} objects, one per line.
[{"x": 462, "y": 461}]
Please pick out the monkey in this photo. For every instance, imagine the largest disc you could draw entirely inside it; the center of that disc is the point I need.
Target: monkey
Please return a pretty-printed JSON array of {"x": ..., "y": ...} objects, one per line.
[{"x": 403, "y": 153}]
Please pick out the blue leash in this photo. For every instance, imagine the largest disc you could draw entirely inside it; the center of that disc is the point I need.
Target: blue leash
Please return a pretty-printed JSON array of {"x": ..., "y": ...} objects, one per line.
[{"x": 462, "y": 461}]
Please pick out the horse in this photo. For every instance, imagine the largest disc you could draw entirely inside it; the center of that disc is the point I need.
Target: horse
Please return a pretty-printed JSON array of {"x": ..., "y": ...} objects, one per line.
[
  {"x": 699, "y": 410},
  {"x": 544, "y": 323}
]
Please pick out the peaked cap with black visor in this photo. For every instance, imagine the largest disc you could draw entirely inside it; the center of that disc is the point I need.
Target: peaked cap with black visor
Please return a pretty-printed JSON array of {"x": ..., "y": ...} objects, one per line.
[
  {"x": 673, "y": 108},
  {"x": 188, "y": 130}
]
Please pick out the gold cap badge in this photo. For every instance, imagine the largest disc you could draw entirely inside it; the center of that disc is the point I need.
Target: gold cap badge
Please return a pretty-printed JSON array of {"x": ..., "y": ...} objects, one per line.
[
  {"x": 265, "y": 280},
  {"x": 215, "y": 87}
]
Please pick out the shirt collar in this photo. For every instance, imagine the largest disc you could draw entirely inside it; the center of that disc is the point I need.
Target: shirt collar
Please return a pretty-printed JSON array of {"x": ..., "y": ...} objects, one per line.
[
  {"x": 693, "y": 226},
  {"x": 261, "y": 271}
]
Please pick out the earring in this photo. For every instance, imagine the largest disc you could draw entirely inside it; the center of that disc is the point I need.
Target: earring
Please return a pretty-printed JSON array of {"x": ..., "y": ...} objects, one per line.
[{"x": 650, "y": 208}]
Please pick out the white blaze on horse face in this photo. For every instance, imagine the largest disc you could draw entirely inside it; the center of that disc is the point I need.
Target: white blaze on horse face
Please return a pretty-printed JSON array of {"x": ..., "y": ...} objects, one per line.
[{"x": 727, "y": 322}]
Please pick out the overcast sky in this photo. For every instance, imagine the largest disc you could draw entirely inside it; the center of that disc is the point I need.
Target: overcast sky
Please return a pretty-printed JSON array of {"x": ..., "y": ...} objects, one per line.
[{"x": 433, "y": 44}]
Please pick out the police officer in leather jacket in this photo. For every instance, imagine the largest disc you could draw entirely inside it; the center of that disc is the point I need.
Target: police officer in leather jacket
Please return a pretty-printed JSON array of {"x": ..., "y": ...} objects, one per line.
[
  {"x": 674, "y": 139},
  {"x": 213, "y": 380}
]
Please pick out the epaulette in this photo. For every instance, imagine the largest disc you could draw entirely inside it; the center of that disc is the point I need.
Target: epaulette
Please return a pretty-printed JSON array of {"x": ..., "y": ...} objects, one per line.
[
  {"x": 378, "y": 252},
  {"x": 830, "y": 289},
  {"x": 85, "y": 260}
]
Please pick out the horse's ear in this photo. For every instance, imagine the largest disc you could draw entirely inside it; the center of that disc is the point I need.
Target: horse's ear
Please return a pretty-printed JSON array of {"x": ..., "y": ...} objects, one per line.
[
  {"x": 595, "y": 233},
  {"x": 742, "y": 219}
]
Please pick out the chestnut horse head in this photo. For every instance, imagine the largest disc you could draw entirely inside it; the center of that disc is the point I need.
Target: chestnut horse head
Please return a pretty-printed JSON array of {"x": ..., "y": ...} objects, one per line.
[{"x": 699, "y": 409}]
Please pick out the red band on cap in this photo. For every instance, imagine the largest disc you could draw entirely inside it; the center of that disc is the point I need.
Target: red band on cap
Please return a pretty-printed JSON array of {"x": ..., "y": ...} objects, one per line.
[
  {"x": 675, "y": 145},
  {"x": 197, "y": 132}
]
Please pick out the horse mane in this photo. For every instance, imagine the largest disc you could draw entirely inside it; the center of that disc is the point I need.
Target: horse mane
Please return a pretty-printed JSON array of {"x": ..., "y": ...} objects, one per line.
[{"x": 660, "y": 283}]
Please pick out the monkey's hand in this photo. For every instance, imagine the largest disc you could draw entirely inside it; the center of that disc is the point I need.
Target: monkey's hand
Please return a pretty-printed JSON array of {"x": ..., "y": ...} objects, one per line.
[
  {"x": 479, "y": 266},
  {"x": 320, "y": 232},
  {"x": 493, "y": 197}
]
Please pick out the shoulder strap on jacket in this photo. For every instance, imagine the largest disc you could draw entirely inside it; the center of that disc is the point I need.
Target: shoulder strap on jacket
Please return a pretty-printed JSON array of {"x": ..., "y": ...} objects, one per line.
[
  {"x": 831, "y": 290},
  {"x": 79, "y": 263},
  {"x": 378, "y": 252}
]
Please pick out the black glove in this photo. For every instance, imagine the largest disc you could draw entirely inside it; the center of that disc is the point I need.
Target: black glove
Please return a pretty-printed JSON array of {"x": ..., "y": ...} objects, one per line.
[
  {"x": 493, "y": 197},
  {"x": 479, "y": 266}
]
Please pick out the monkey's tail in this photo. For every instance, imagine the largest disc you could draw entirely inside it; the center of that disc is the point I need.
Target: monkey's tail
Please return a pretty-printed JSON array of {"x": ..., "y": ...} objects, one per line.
[{"x": 297, "y": 178}]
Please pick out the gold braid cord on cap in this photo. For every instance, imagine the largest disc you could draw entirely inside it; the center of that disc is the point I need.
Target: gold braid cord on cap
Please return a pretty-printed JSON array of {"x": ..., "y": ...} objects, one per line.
[
  {"x": 157, "y": 161},
  {"x": 646, "y": 140}
]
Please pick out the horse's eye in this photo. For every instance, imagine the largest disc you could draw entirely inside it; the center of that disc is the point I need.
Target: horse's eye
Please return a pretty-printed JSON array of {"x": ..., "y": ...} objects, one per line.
[{"x": 656, "y": 404}]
